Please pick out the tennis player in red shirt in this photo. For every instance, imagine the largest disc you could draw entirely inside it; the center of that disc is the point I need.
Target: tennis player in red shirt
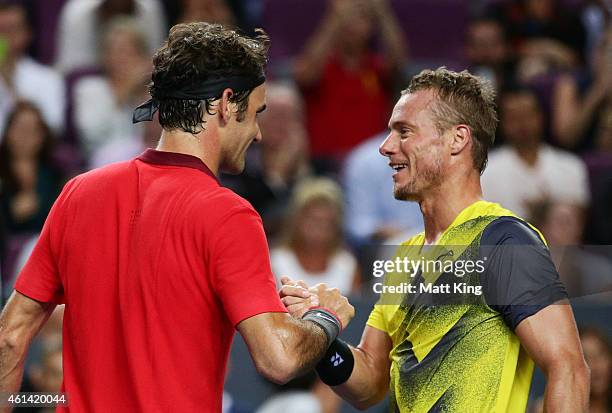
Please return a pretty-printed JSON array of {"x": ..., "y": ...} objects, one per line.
[{"x": 156, "y": 263}]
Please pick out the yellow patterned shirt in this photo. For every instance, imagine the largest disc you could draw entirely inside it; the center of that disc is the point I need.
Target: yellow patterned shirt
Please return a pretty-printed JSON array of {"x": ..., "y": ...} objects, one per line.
[{"x": 458, "y": 352}]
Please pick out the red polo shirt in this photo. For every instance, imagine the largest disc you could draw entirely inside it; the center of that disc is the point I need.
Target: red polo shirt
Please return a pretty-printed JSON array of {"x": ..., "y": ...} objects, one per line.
[{"x": 157, "y": 263}]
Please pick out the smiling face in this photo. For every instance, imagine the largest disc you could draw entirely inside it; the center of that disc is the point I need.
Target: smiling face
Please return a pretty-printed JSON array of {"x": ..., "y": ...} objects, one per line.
[
  {"x": 241, "y": 133},
  {"x": 416, "y": 150}
]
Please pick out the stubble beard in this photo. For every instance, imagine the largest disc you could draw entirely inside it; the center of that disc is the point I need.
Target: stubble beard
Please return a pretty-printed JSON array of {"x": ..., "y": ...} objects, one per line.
[{"x": 422, "y": 179}]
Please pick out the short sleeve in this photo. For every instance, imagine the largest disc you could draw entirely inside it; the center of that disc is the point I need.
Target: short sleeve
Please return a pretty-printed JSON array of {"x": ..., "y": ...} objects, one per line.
[
  {"x": 241, "y": 274},
  {"x": 377, "y": 318},
  {"x": 40, "y": 278},
  {"x": 520, "y": 278}
]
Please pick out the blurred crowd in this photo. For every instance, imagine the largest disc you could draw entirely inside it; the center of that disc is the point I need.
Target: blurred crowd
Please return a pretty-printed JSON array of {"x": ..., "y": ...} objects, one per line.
[{"x": 71, "y": 72}]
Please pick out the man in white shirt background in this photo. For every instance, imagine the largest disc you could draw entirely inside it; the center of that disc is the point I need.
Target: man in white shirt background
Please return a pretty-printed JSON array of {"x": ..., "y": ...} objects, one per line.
[{"x": 526, "y": 169}]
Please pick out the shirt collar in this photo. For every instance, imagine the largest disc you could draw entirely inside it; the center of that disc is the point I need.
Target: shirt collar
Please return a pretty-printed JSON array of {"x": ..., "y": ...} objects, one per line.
[{"x": 175, "y": 159}]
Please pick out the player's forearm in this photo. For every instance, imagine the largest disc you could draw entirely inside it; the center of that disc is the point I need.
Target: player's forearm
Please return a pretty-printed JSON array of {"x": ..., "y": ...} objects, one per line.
[
  {"x": 573, "y": 121},
  {"x": 20, "y": 320},
  {"x": 310, "y": 343},
  {"x": 297, "y": 347},
  {"x": 367, "y": 385},
  {"x": 12, "y": 357},
  {"x": 567, "y": 388}
]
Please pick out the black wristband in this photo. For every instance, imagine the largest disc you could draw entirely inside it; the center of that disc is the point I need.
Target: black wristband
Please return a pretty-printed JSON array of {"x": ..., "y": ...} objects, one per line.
[
  {"x": 337, "y": 365},
  {"x": 326, "y": 320}
]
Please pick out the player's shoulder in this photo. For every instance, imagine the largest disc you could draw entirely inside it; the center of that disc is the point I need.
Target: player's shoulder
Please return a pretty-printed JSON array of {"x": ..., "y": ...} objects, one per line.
[
  {"x": 107, "y": 174},
  {"x": 221, "y": 202},
  {"x": 510, "y": 229}
]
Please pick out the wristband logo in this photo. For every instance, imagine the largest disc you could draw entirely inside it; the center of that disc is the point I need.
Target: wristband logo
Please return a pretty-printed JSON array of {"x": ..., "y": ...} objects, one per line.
[
  {"x": 336, "y": 360},
  {"x": 326, "y": 317}
]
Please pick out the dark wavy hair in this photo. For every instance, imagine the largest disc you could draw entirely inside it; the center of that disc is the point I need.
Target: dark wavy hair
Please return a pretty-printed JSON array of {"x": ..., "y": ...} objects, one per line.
[
  {"x": 7, "y": 175},
  {"x": 192, "y": 54}
]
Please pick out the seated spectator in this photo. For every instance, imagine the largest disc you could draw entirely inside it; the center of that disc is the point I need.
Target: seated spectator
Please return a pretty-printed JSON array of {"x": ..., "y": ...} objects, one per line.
[
  {"x": 279, "y": 161},
  {"x": 103, "y": 105},
  {"x": 488, "y": 52},
  {"x": 372, "y": 212},
  {"x": 345, "y": 84},
  {"x": 598, "y": 354},
  {"x": 118, "y": 150},
  {"x": 579, "y": 99},
  {"x": 22, "y": 78},
  {"x": 582, "y": 270},
  {"x": 525, "y": 169},
  {"x": 30, "y": 181},
  {"x": 81, "y": 22},
  {"x": 312, "y": 249}
]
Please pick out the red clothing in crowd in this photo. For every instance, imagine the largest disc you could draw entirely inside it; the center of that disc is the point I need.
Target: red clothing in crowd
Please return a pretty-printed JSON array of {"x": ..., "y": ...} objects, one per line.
[
  {"x": 156, "y": 263},
  {"x": 346, "y": 107}
]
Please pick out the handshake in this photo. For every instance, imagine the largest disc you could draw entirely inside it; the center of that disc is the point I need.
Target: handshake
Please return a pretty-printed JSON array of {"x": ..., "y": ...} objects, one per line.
[{"x": 298, "y": 298}]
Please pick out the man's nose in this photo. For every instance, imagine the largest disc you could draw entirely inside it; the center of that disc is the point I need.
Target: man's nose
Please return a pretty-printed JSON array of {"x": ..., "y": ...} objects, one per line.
[{"x": 386, "y": 147}]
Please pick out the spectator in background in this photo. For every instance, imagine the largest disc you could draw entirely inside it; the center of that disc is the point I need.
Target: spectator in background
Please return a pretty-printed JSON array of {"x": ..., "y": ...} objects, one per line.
[
  {"x": 598, "y": 354},
  {"x": 279, "y": 161},
  {"x": 526, "y": 169},
  {"x": 118, "y": 150},
  {"x": 546, "y": 34},
  {"x": 242, "y": 13},
  {"x": 20, "y": 76},
  {"x": 83, "y": 21},
  {"x": 488, "y": 53},
  {"x": 372, "y": 213},
  {"x": 599, "y": 163},
  {"x": 313, "y": 247},
  {"x": 46, "y": 374},
  {"x": 212, "y": 11},
  {"x": 103, "y": 105},
  {"x": 345, "y": 84},
  {"x": 578, "y": 100},
  {"x": 30, "y": 181},
  {"x": 583, "y": 271}
]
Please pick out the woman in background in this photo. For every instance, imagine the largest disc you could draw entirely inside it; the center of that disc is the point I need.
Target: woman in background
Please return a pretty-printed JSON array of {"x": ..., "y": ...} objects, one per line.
[
  {"x": 313, "y": 245},
  {"x": 103, "y": 104},
  {"x": 29, "y": 182}
]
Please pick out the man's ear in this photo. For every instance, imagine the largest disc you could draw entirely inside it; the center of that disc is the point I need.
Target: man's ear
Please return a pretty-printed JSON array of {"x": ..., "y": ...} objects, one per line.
[
  {"x": 226, "y": 108},
  {"x": 462, "y": 135}
]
